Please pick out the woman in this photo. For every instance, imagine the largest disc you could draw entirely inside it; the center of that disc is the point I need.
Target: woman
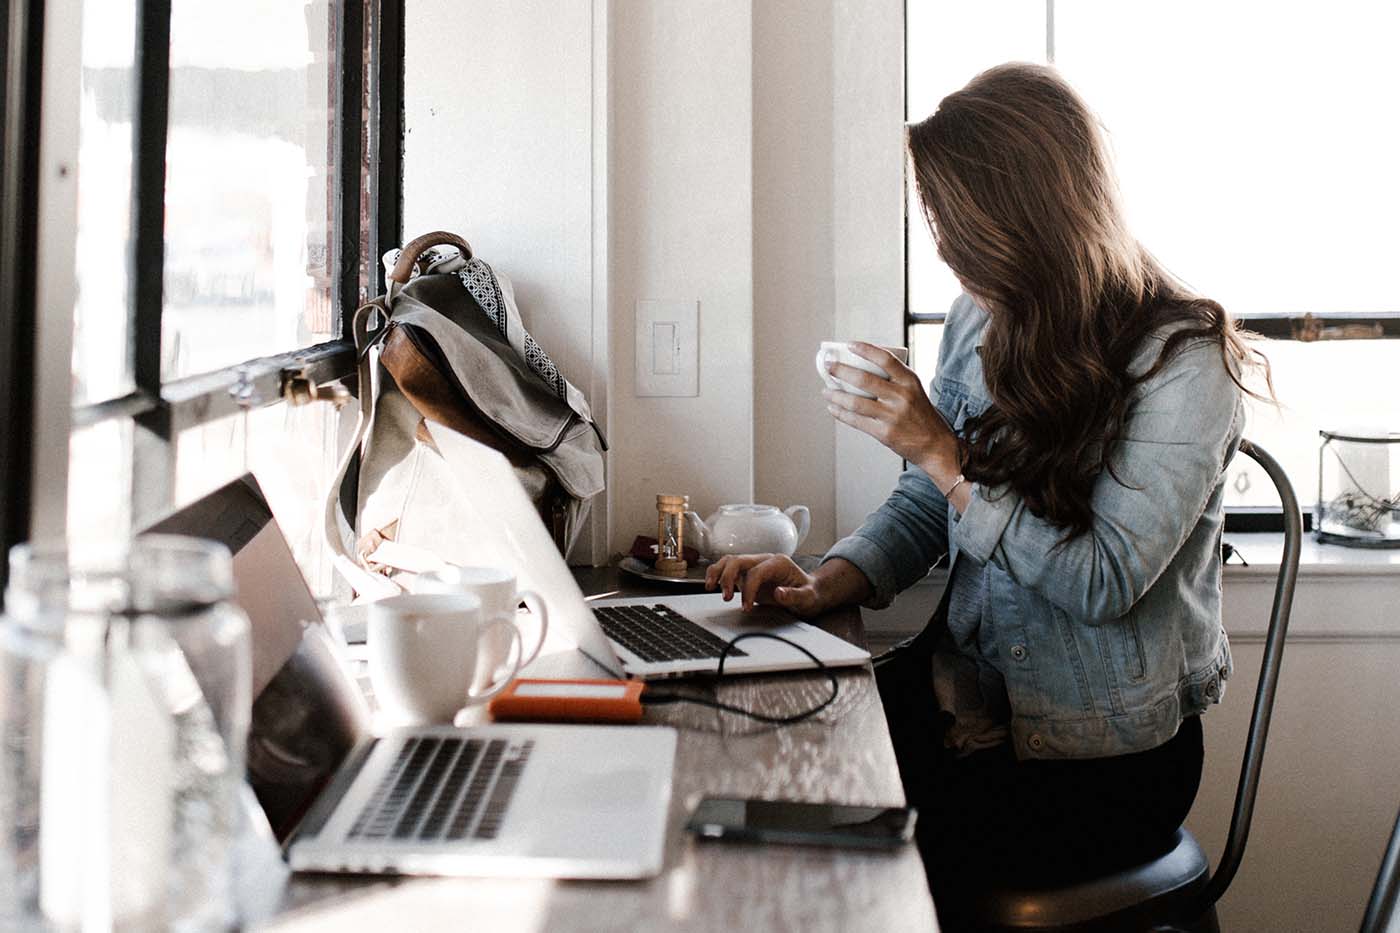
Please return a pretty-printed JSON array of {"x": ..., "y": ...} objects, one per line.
[{"x": 1070, "y": 463}]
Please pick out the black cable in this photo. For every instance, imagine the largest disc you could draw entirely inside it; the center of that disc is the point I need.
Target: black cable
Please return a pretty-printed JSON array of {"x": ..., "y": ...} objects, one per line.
[{"x": 650, "y": 698}]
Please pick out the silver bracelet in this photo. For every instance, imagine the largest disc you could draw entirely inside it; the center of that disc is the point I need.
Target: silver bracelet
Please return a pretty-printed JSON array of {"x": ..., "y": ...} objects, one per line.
[{"x": 954, "y": 488}]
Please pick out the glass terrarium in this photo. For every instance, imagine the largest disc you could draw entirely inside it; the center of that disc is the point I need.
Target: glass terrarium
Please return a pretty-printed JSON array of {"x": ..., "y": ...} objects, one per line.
[{"x": 1358, "y": 489}]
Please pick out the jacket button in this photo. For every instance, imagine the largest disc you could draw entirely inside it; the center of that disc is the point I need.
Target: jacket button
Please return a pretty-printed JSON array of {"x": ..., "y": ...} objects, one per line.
[
  {"x": 1036, "y": 742},
  {"x": 1018, "y": 652},
  {"x": 1212, "y": 688}
]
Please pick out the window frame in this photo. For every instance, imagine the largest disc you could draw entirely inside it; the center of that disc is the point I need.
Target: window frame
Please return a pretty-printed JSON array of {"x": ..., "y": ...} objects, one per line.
[
  {"x": 21, "y": 63},
  {"x": 159, "y": 410},
  {"x": 1309, "y": 327}
]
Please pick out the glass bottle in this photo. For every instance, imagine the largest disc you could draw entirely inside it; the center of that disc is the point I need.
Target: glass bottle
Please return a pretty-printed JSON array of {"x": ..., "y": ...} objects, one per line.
[
  {"x": 144, "y": 719},
  {"x": 30, "y": 641}
]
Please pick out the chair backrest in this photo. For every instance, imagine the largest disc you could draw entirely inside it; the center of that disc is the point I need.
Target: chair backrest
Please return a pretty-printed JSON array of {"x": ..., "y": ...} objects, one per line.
[
  {"x": 1268, "y": 677},
  {"x": 1380, "y": 912}
]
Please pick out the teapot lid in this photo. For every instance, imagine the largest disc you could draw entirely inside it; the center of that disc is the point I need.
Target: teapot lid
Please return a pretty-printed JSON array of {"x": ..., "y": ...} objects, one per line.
[{"x": 747, "y": 508}]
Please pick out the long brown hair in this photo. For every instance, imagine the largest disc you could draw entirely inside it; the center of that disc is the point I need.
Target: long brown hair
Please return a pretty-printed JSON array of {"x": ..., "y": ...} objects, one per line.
[{"x": 1015, "y": 183}]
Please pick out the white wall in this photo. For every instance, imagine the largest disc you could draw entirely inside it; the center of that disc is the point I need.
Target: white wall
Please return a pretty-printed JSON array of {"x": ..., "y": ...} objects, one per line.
[
  {"x": 868, "y": 162},
  {"x": 499, "y": 147},
  {"x": 776, "y": 128},
  {"x": 747, "y": 156},
  {"x": 828, "y": 242},
  {"x": 680, "y": 227},
  {"x": 56, "y": 284},
  {"x": 1330, "y": 787},
  {"x": 793, "y": 250}
]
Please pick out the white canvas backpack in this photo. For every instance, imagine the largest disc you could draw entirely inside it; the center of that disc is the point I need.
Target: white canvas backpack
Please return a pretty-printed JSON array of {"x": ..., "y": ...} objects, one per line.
[{"x": 446, "y": 345}]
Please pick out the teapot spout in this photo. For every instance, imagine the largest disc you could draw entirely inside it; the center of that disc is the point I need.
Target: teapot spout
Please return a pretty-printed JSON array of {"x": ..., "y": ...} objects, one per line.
[{"x": 697, "y": 533}]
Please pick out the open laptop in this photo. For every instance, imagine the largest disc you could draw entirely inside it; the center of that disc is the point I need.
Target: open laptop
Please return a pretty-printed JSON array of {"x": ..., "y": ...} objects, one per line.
[
  {"x": 646, "y": 637},
  {"x": 541, "y": 801}
]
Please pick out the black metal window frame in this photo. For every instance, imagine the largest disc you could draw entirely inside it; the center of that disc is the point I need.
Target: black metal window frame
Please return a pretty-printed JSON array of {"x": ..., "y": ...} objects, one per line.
[
  {"x": 21, "y": 64},
  {"x": 1307, "y": 327},
  {"x": 161, "y": 410}
]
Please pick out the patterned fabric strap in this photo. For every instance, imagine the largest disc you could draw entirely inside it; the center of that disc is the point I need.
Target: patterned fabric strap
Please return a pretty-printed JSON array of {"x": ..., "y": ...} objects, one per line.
[{"x": 480, "y": 280}]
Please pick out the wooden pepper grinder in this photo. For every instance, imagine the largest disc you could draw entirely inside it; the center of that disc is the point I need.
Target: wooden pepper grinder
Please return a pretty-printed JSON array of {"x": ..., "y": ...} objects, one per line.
[{"x": 670, "y": 534}]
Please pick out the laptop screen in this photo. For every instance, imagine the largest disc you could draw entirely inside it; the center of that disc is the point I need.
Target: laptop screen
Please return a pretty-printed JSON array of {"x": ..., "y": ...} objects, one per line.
[{"x": 308, "y": 712}]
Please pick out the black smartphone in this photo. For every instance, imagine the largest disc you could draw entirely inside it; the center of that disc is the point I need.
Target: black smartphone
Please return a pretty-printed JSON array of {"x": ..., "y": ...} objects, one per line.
[{"x": 788, "y": 821}]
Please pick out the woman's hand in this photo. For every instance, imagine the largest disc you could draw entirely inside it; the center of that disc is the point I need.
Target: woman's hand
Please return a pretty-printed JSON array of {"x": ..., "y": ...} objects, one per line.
[
  {"x": 900, "y": 416},
  {"x": 767, "y": 578}
]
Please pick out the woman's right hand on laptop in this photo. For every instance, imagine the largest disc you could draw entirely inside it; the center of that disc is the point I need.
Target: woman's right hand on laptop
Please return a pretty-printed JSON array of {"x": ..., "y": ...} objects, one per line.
[{"x": 775, "y": 580}]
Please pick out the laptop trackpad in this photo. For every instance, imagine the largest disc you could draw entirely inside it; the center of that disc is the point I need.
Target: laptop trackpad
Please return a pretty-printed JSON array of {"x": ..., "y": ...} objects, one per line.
[{"x": 610, "y": 790}]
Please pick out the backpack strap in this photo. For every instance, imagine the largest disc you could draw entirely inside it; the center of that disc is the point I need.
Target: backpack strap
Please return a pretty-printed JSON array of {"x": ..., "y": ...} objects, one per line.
[
  {"x": 336, "y": 527},
  {"x": 414, "y": 249}
]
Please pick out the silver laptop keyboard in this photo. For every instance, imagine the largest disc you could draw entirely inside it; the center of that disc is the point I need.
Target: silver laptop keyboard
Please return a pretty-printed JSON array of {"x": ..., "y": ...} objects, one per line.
[
  {"x": 444, "y": 788},
  {"x": 659, "y": 633}
]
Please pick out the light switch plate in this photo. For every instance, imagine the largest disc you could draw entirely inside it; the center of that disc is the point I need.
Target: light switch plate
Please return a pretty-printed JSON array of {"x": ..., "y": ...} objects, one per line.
[{"x": 667, "y": 348}]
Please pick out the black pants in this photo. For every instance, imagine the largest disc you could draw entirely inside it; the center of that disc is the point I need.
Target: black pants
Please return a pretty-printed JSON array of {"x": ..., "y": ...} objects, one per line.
[{"x": 987, "y": 816}]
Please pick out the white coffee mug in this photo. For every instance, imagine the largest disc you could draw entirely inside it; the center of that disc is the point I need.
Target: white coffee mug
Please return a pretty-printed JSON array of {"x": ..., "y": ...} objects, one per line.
[
  {"x": 496, "y": 588},
  {"x": 835, "y": 351},
  {"x": 423, "y": 650}
]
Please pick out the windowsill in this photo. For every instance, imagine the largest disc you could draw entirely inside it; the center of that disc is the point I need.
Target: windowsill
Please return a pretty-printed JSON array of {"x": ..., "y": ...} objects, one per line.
[{"x": 1263, "y": 550}]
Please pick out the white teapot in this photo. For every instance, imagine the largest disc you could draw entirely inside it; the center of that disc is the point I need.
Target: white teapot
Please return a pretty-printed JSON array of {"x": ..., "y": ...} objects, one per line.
[{"x": 749, "y": 529}]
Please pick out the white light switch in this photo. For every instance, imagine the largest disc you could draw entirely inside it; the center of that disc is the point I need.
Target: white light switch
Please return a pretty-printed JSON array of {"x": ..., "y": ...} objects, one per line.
[
  {"x": 668, "y": 348},
  {"x": 664, "y": 349}
]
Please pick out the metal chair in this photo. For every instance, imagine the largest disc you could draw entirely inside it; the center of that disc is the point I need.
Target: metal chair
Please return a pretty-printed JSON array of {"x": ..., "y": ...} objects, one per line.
[
  {"x": 1381, "y": 911},
  {"x": 1174, "y": 891}
]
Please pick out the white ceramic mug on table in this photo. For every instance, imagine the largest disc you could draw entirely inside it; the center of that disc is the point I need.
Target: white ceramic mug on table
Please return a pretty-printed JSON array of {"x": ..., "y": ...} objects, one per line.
[
  {"x": 500, "y": 599},
  {"x": 423, "y": 651}
]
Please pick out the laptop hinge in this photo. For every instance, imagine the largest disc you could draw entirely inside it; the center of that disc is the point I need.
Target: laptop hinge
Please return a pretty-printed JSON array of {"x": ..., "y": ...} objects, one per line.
[{"x": 330, "y": 796}]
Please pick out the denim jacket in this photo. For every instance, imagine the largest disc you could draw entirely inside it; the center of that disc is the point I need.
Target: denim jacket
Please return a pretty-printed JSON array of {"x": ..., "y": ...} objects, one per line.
[{"x": 1108, "y": 641}]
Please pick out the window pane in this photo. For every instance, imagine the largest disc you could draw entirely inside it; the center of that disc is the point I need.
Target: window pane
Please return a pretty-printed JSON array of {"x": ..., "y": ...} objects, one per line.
[
  {"x": 1215, "y": 112},
  {"x": 1333, "y": 385},
  {"x": 99, "y": 483},
  {"x": 291, "y": 450},
  {"x": 249, "y": 185},
  {"x": 101, "y": 360},
  {"x": 924, "y": 340},
  {"x": 1256, "y": 143},
  {"x": 947, "y": 44}
]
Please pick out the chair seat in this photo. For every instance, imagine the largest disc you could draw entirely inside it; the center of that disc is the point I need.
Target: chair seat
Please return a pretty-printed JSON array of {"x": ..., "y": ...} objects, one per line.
[{"x": 1139, "y": 897}]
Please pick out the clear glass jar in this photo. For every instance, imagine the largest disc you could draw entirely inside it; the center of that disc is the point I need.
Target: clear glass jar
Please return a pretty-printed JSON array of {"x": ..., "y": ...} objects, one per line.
[
  {"x": 1358, "y": 489},
  {"x": 145, "y": 710},
  {"x": 29, "y": 644}
]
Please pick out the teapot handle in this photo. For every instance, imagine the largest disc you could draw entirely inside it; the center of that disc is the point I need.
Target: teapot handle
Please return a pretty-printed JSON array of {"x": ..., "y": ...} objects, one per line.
[{"x": 802, "y": 518}]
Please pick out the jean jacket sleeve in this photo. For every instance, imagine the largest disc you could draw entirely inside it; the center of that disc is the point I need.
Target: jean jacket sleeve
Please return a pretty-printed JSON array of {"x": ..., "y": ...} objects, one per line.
[
  {"x": 896, "y": 546},
  {"x": 1180, "y": 432},
  {"x": 900, "y": 541}
]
